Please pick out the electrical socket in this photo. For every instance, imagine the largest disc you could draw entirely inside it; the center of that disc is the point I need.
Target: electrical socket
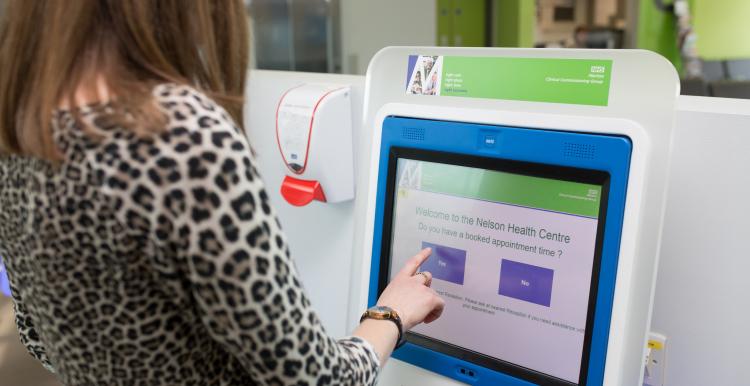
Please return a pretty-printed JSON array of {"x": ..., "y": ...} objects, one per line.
[{"x": 656, "y": 360}]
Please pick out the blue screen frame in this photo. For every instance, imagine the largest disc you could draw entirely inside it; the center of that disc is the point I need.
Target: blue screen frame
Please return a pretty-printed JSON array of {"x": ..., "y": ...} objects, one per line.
[{"x": 606, "y": 153}]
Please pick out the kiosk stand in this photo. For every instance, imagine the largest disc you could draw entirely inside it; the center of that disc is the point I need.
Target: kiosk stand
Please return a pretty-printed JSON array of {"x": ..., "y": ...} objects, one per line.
[{"x": 537, "y": 177}]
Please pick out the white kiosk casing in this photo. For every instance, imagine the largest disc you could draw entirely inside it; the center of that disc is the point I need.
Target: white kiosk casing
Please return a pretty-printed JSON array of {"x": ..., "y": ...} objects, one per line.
[{"x": 643, "y": 89}]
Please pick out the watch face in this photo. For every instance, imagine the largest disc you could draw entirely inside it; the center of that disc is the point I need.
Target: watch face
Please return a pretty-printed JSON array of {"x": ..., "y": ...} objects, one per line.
[{"x": 382, "y": 311}]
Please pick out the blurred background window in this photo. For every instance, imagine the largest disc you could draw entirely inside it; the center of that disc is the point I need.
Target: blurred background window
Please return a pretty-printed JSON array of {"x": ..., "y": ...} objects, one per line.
[
  {"x": 704, "y": 39},
  {"x": 296, "y": 35}
]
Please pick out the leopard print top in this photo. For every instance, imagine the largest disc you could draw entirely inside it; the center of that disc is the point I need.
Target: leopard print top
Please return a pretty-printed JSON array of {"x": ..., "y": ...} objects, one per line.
[{"x": 159, "y": 261}]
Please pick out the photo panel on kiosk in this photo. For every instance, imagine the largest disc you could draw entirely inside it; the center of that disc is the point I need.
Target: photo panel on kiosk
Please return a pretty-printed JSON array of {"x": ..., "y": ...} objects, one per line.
[
  {"x": 524, "y": 245},
  {"x": 537, "y": 178}
]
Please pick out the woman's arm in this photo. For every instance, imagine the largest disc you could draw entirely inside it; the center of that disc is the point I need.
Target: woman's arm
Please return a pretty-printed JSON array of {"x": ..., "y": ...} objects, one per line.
[
  {"x": 410, "y": 296},
  {"x": 208, "y": 207},
  {"x": 26, "y": 330}
]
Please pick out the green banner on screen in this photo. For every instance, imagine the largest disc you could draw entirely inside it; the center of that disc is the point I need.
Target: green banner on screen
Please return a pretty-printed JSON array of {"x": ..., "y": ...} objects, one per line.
[{"x": 533, "y": 192}]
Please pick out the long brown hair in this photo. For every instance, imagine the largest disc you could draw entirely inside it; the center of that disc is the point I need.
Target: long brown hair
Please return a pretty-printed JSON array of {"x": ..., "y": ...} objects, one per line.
[{"x": 51, "y": 49}]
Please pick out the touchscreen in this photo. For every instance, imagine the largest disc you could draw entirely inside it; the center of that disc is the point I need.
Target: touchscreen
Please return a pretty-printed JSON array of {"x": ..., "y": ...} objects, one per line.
[{"x": 513, "y": 256}]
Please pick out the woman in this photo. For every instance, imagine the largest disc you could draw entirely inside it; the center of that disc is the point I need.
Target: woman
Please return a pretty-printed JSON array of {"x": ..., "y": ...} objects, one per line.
[{"x": 139, "y": 241}]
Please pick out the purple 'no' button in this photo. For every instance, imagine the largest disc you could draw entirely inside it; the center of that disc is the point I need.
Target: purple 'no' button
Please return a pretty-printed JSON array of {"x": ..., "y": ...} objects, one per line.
[
  {"x": 445, "y": 263},
  {"x": 526, "y": 282}
]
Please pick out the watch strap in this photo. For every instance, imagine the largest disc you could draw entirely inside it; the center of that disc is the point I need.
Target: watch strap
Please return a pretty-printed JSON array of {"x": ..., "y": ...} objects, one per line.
[{"x": 386, "y": 313}]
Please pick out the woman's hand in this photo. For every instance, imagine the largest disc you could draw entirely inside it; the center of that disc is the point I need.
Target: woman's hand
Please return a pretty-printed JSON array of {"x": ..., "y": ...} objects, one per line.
[
  {"x": 412, "y": 298},
  {"x": 410, "y": 295}
]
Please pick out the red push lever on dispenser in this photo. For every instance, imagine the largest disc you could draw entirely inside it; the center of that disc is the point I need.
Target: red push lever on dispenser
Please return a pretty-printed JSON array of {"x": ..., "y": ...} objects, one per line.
[{"x": 301, "y": 192}]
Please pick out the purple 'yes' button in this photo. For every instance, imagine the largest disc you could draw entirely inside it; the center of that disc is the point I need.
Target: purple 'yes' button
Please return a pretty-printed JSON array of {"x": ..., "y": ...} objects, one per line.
[
  {"x": 526, "y": 282},
  {"x": 445, "y": 263}
]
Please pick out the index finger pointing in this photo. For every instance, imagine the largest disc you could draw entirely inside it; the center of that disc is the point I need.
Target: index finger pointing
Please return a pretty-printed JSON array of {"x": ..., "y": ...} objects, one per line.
[{"x": 411, "y": 266}]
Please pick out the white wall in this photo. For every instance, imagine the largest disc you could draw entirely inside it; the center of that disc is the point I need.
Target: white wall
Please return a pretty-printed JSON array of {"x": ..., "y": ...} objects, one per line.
[
  {"x": 369, "y": 25},
  {"x": 320, "y": 235},
  {"x": 702, "y": 287}
]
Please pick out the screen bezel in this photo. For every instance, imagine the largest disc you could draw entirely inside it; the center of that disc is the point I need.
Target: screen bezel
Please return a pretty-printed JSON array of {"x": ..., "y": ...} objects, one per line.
[{"x": 533, "y": 169}]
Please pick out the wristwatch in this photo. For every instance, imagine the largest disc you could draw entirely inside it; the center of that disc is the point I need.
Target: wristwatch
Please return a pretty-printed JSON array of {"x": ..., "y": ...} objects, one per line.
[{"x": 386, "y": 313}]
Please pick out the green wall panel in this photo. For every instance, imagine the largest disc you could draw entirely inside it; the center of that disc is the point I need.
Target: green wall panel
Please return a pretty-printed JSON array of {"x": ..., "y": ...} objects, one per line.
[
  {"x": 513, "y": 23},
  {"x": 445, "y": 22},
  {"x": 461, "y": 23},
  {"x": 657, "y": 32},
  {"x": 723, "y": 28}
]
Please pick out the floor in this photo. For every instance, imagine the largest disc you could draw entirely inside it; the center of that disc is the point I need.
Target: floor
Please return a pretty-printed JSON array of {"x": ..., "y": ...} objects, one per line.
[{"x": 17, "y": 367}]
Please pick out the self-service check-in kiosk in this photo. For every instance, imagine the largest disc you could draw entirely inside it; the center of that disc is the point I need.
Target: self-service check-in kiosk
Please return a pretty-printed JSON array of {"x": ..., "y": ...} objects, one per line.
[{"x": 537, "y": 177}]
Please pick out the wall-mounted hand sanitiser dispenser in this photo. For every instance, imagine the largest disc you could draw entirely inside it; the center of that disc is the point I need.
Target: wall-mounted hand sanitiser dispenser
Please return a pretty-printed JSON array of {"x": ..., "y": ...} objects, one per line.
[{"x": 314, "y": 134}]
